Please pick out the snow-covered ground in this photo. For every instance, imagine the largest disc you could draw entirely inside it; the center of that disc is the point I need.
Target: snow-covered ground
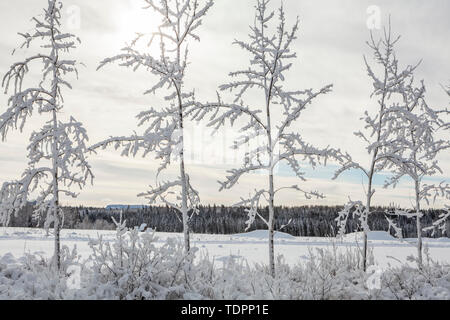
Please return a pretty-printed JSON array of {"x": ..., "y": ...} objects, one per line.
[{"x": 252, "y": 245}]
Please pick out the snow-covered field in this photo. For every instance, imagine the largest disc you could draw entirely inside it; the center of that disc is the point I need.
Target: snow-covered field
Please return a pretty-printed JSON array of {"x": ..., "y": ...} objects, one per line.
[{"x": 253, "y": 245}]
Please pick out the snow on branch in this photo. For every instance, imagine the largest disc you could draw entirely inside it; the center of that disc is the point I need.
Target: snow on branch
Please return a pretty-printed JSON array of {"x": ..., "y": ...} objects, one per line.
[
  {"x": 397, "y": 229},
  {"x": 293, "y": 112},
  {"x": 294, "y": 145},
  {"x": 222, "y": 112},
  {"x": 308, "y": 194},
  {"x": 180, "y": 17},
  {"x": 440, "y": 224},
  {"x": 358, "y": 209},
  {"x": 347, "y": 163},
  {"x": 165, "y": 190},
  {"x": 11, "y": 201},
  {"x": 430, "y": 192},
  {"x": 253, "y": 204},
  {"x": 168, "y": 71}
]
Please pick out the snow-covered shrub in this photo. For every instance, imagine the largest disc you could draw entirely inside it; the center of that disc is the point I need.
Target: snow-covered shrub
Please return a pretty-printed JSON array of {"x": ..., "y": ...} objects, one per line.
[
  {"x": 325, "y": 274},
  {"x": 234, "y": 280},
  {"x": 134, "y": 267},
  {"x": 33, "y": 277},
  {"x": 431, "y": 281}
]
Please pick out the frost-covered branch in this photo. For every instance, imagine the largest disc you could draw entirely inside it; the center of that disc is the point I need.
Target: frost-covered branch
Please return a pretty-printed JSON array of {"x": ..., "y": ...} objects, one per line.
[
  {"x": 358, "y": 209},
  {"x": 441, "y": 223}
]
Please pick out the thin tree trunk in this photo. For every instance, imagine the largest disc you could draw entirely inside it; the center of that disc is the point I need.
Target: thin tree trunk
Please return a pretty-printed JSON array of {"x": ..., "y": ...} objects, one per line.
[
  {"x": 57, "y": 242},
  {"x": 369, "y": 196},
  {"x": 271, "y": 224},
  {"x": 57, "y": 222},
  {"x": 184, "y": 186},
  {"x": 184, "y": 206},
  {"x": 371, "y": 173},
  {"x": 368, "y": 203},
  {"x": 271, "y": 221},
  {"x": 419, "y": 226},
  {"x": 271, "y": 184},
  {"x": 372, "y": 169},
  {"x": 418, "y": 214}
]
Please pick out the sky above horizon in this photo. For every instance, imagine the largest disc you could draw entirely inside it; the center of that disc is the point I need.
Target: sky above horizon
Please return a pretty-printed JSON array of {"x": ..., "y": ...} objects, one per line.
[{"x": 330, "y": 49}]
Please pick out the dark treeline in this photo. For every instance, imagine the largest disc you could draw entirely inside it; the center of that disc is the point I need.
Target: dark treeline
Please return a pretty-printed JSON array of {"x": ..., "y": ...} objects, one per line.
[{"x": 311, "y": 221}]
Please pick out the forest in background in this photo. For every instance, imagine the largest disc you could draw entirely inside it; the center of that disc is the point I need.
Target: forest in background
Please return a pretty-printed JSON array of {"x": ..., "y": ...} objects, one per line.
[{"x": 306, "y": 221}]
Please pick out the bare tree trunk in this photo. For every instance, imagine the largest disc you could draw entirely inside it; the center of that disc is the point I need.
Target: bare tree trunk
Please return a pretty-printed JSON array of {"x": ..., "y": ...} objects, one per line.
[
  {"x": 57, "y": 222},
  {"x": 184, "y": 186},
  {"x": 368, "y": 203},
  {"x": 372, "y": 169},
  {"x": 57, "y": 241},
  {"x": 419, "y": 226},
  {"x": 271, "y": 187},
  {"x": 418, "y": 214},
  {"x": 365, "y": 237},
  {"x": 184, "y": 206},
  {"x": 271, "y": 225}
]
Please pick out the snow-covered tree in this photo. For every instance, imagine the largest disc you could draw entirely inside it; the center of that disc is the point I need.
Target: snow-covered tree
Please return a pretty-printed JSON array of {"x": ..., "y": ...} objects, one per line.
[
  {"x": 271, "y": 140},
  {"x": 389, "y": 83},
  {"x": 164, "y": 131},
  {"x": 56, "y": 151},
  {"x": 416, "y": 136}
]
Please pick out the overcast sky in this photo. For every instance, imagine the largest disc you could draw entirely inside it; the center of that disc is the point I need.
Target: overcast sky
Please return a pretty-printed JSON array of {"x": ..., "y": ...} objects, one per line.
[{"x": 330, "y": 48}]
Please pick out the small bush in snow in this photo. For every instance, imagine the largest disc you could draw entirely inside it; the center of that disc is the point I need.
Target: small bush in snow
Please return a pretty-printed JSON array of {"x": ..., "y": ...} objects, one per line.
[
  {"x": 33, "y": 278},
  {"x": 430, "y": 282},
  {"x": 133, "y": 267}
]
